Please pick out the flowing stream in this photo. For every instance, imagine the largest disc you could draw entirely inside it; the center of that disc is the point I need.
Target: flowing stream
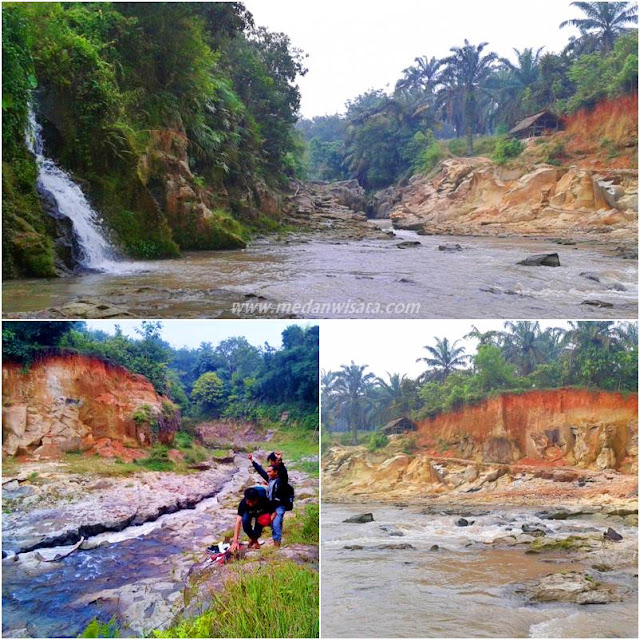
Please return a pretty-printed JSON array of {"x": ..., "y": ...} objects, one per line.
[
  {"x": 318, "y": 277},
  {"x": 95, "y": 251},
  {"x": 464, "y": 589}
]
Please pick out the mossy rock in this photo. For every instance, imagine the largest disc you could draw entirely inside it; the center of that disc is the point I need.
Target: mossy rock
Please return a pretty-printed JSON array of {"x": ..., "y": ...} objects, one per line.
[
  {"x": 570, "y": 543},
  {"x": 26, "y": 243}
]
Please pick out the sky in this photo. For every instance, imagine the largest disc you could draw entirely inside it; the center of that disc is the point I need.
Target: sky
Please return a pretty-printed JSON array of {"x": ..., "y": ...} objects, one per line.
[
  {"x": 190, "y": 333},
  {"x": 356, "y": 45},
  {"x": 394, "y": 345}
]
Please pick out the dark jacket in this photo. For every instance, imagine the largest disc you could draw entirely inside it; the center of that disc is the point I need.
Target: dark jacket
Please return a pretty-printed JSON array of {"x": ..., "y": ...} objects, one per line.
[
  {"x": 280, "y": 492},
  {"x": 264, "y": 506}
]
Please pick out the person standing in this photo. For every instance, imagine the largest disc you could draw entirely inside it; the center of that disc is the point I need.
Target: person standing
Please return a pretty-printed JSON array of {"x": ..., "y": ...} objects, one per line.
[{"x": 277, "y": 478}]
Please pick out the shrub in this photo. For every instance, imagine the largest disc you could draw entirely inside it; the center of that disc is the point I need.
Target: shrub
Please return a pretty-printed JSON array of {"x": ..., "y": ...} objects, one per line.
[
  {"x": 377, "y": 441},
  {"x": 346, "y": 439},
  {"x": 506, "y": 149}
]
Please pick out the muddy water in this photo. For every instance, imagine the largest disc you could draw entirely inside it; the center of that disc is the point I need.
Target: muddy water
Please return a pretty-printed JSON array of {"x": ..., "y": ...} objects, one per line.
[
  {"x": 317, "y": 277},
  {"x": 462, "y": 590}
]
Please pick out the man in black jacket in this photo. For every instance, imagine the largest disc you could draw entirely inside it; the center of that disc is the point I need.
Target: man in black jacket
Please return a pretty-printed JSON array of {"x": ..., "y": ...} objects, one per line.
[{"x": 277, "y": 478}]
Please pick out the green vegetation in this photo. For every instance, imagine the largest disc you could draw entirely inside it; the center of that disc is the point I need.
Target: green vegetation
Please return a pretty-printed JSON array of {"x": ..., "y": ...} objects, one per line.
[
  {"x": 127, "y": 94},
  {"x": 472, "y": 96},
  {"x": 97, "y": 629},
  {"x": 570, "y": 543},
  {"x": 276, "y": 599},
  {"x": 506, "y": 149},
  {"x": 305, "y": 528},
  {"x": 522, "y": 357},
  {"x": 275, "y": 388},
  {"x": 377, "y": 441}
]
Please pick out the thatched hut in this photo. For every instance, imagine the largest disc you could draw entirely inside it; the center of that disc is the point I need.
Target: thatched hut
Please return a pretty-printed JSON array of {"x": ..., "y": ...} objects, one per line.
[
  {"x": 399, "y": 425},
  {"x": 536, "y": 125}
]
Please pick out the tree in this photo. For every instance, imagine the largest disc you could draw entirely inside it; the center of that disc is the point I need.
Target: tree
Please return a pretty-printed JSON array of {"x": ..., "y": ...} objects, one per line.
[
  {"x": 208, "y": 393},
  {"x": 444, "y": 359},
  {"x": 603, "y": 22},
  {"x": 465, "y": 75},
  {"x": 351, "y": 386}
]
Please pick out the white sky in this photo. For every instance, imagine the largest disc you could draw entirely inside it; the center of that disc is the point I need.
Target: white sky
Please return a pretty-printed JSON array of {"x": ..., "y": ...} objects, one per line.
[
  {"x": 356, "y": 45},
  {"x": 190, "y": 333},
  {"x": 394, "y": 345}
]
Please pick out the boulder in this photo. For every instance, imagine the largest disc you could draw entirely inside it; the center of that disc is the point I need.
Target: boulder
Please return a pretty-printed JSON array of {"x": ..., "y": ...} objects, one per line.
[
  {"x": 449, "y": 247},
  {"x": 360, "y": 519},
  {"x": 408, "y": 244},
  {"x": 612, "y": 534},
  {"x": 463, "y": 522},
  {"x": 541, "y": 260},
  {"x": 572, "y": 586}
]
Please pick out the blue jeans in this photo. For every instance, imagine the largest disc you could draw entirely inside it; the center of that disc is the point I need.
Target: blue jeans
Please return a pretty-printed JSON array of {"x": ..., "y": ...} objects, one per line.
[
  {"x": 276, "y": 525},
  {"x": 254, "y": 532}
]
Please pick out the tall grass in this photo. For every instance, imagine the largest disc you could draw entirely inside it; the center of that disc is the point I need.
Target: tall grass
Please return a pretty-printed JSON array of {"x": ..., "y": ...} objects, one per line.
[
  {"x": 304, "y": 528},
  {"x": 279, "y": 600}
]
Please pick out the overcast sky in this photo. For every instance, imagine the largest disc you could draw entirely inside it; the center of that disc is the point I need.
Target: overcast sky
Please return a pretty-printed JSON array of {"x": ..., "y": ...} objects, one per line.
[
  {"x": 190, "y": 333},
  {"x": 394, "y": 345},
  {"x": 356, "y": 45}
]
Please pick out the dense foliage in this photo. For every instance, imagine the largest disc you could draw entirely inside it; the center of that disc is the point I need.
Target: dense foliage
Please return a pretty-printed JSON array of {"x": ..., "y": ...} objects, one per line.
[
  {"x": 384, "y": 137},
  {"x": 121, "y": 88},
  {"x": 231, "y": 379},
  {"x": 598, "y": 355}
]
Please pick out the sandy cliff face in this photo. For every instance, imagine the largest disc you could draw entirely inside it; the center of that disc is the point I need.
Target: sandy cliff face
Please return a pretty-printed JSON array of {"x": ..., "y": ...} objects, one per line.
[
  {"x": 527, "y": 444},
  {"x": 72, "y": 402},
  {"x": 576, "y": 427},
  {"x": 475, "y": 196}
]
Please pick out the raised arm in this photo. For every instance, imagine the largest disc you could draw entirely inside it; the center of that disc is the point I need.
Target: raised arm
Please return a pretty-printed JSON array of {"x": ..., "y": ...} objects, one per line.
[{"x": 259, "y": 468}]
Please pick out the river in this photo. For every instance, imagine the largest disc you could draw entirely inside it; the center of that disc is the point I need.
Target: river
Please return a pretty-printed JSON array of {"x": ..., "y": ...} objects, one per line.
[
  {"x": 464, "y": 589},
  {"x": 315, "y": 276}
]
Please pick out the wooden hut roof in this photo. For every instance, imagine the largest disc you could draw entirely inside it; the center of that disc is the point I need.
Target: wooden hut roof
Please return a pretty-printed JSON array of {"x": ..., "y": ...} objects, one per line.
[
  {"x": 530, "y": 120},
  {"x": 399, "y": 423}
]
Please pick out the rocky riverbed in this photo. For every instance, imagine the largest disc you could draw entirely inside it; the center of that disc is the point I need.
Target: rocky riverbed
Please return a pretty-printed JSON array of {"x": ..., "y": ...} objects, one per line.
[
  {"x": 338, "y": 263},
  {"x": 140, "y": 535},
  {"x": 451, "y": 570}
]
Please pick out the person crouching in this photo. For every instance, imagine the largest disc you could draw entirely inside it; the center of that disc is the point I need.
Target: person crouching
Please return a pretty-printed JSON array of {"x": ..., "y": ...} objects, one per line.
[{"x": 254, "y": 513}]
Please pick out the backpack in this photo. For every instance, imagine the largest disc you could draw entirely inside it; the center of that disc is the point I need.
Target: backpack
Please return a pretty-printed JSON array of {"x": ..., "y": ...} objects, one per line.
[{"x": 289, "y": 495}]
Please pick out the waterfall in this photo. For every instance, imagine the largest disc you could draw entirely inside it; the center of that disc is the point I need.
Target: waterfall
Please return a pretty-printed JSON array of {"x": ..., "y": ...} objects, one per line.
[{"x": 95, "y": 251}]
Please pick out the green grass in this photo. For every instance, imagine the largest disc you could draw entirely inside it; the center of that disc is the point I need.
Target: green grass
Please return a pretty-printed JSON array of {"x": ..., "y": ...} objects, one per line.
[
  {"x": 304, "y": 528},
  {"x": 97, "y": 629},
  {"x": 482, "y": 146},
  {"x": 279, "y": 600},
  {"x": 295, "y": 444}
]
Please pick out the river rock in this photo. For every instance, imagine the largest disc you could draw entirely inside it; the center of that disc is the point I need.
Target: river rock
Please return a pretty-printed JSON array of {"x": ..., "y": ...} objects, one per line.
[
  {"x": 434, "y": 547},
  {"x": 360, "y": 519},
  {"x": 408, "y": 244},
  {"x": 449, "y": 247},
  {"x": 572, "y": 586},
  {"x": 463, "y": 522},
  {"x": 398, "y": 547},
  {"x": 601, "y": 304},
  {"x": 541, "y": 260},
  {"x": 353, "y": 547},
  {"x": 533, "y": 530},
  {"x": 612, "y": 534},
  {"x": 590, "y": 275}
]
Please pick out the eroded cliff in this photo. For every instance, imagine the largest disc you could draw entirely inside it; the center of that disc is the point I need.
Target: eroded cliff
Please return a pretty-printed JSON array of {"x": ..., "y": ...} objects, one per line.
[
  {"x": 70, "y": 402},
  {"x": 511, "y": 444}
]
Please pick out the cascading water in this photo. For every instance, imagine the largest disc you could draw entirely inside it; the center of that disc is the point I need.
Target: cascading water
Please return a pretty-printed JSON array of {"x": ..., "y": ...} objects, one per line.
[{"x": 94, "y": 251}]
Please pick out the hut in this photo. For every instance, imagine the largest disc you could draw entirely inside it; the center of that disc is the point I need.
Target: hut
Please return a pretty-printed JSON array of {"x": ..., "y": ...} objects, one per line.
[
  {"x": 399, "y": 425},
  {"x": 536, "y": 125}
]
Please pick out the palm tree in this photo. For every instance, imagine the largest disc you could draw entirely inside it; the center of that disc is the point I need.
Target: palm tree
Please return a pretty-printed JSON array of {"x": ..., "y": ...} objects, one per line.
[
  {"x": 627, "y": 335},
  {"x": 351, "y": 387},
  {"x": 444, "y": 359},
  {"x": 464, "y": 77},
  {"x": 516, "y": 84},
  {"x": 521, "y": 345},
  {"x": 603, "y": 21}
]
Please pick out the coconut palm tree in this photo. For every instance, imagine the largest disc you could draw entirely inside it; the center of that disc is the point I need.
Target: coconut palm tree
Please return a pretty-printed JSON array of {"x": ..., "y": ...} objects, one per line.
[
  {"x": 444, "y": 359},
  {"x": 521, "y": 345},
  {"x": 351, "y": 386},
  {"x": 603, "y": 21},
  {"x": 464, "y": 78}
]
